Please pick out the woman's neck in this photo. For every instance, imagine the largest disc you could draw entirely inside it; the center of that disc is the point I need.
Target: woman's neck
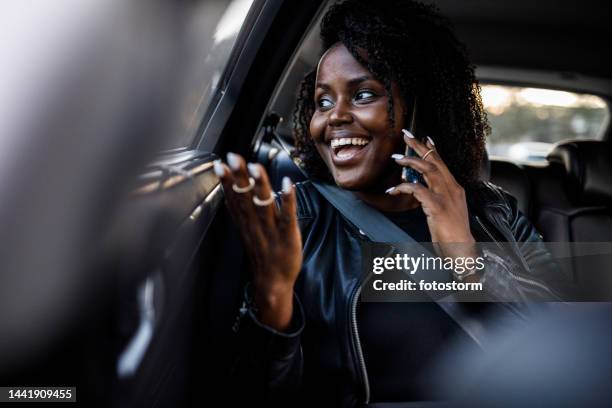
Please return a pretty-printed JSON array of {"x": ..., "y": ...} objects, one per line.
[
  {"x": 385, "y": 202},
  {"x": 376, "y": 197}
]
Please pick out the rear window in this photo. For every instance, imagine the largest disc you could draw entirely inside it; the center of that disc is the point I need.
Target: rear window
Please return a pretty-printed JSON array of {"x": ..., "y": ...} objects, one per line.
[{"x": 527, "y": 122}]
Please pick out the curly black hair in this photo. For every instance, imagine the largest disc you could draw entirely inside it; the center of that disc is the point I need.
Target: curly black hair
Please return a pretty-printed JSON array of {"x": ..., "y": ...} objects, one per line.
[{"x": 413, "y": 45}]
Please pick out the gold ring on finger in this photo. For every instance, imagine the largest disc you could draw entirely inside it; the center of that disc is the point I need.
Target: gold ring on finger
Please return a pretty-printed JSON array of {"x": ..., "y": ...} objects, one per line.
[
  {"x": 244, "y": 189},
  {"x": 427, "y": 153},
  {"x": 262, "y": 203}
]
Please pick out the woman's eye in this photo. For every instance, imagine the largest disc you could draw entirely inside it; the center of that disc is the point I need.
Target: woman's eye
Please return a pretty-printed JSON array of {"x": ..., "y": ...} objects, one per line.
[
  {"x": 364, "y": 94},
  {"x": 324, "y": 103}
]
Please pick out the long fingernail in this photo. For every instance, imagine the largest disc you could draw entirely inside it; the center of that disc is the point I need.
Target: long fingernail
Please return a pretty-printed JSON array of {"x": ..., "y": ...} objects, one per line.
[
  {"x": 233, "y": 160},
  {"x": 408, "y": 134},
  {"x": 287, "y": 185},
  {"x": 390, "y": 189},
  {"x": 397, "y": 156},
  {"x": 218, "y": 168},
  {"x": 253, "y": 170},
  {"x": 430, "y": 140}
]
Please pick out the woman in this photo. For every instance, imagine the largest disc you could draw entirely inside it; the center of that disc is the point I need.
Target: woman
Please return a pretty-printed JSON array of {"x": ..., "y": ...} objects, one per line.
[{"x": 305, "y": 335}]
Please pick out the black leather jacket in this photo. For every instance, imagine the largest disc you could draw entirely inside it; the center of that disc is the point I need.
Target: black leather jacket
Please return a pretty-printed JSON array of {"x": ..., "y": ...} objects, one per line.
[{"x": 318, "y": 362}]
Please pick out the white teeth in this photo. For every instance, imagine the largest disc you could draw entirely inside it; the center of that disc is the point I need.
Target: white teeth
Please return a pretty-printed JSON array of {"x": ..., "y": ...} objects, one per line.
[{"x": 356, "y": 141}]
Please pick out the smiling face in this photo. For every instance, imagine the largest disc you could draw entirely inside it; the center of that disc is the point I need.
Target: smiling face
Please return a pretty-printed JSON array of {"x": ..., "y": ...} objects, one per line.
[{"x": 350, "y": 126}]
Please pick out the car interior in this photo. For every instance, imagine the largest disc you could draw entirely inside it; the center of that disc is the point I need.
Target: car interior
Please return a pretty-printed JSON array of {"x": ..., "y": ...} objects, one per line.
[
  {"x": 159, "y": 330},
  {"x": 564, "y": 195}
]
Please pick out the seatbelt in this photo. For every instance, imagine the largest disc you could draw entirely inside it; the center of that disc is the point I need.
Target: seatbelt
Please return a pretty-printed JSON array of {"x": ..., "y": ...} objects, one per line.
[
  {"x": 372, "y": 223},
  {"x": 379, "y": 228}
]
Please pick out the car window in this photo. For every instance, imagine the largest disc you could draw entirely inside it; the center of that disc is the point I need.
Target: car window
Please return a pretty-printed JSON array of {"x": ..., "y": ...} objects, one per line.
[
  {"x": 304, "y": 60},
  {"x": 527, "y": 122},
  {"x": 210, "y": 35}
]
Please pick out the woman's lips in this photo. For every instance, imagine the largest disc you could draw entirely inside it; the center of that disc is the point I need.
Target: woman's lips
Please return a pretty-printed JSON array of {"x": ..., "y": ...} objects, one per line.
[{"x": 348, "y": 154}]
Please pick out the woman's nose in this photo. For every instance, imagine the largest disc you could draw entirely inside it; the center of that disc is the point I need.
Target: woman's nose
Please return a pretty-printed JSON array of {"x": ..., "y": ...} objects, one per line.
[{"x": 340, "y": 114}]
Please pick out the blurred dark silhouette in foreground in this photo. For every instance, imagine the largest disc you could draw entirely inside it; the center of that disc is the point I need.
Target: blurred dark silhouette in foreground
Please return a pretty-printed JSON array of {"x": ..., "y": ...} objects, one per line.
[{"x": 561, "y": 358}]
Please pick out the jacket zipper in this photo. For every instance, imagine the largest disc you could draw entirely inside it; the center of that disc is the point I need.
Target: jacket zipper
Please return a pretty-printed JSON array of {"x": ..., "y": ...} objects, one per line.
[
  {"x": 519, "y": 278},
  {"x": 487, "y": 231},
  {"x": 357, "y": 342}
]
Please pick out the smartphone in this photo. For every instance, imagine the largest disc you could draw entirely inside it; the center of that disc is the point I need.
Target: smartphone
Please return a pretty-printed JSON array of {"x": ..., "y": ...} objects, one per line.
[{"x": 410, "y": 175}]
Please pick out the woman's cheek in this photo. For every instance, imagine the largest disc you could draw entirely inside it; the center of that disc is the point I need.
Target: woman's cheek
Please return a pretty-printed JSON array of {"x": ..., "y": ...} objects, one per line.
[
  {"x": 317, "y": 127},
  {"x": 375, "y": 116}
]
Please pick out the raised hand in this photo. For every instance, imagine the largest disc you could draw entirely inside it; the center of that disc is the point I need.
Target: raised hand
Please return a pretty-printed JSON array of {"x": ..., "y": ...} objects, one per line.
[{"x": 270, "y": 234}]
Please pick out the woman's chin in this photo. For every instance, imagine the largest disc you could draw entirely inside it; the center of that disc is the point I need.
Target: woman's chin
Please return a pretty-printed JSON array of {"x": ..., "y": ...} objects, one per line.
[
  {"x": 353, "y": 183},
  {"x": 367, "y": 183},
  {"x": 347, "y": 182},
  {"x": 348, "y": 186}
]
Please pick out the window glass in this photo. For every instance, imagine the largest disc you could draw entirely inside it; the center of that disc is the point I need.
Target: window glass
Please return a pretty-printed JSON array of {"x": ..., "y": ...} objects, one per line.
[
  {"x": 305, "y": 60},
  {"x": 527, "y": 122},
  {"x": 211, "y": 31}
]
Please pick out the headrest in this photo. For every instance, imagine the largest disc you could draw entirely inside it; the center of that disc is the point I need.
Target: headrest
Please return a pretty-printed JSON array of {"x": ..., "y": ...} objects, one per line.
[
  {"x": 512, "y": 178},
  {"x": 588, "y": 165}
]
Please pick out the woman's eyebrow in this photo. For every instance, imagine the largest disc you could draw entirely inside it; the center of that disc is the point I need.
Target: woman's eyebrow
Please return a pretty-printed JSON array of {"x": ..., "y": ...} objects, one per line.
[
  {"x": 358, "y": 80},
  {"x": 351, "y": 82},
  {"x": 323, "y": 86}
]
